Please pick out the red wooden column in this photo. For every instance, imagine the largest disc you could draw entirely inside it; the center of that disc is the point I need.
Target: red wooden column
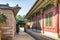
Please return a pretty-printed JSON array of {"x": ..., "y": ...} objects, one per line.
[
  {"x": 36, "y": 22},
  {"x": 57, "y": 16},
  {"x": 57, "y": 22},
  {"x": 42, "y": 20}
]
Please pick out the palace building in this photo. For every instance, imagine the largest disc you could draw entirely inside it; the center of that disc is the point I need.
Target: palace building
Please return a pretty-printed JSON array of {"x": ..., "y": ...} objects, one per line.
[{"x": 45, "y": 16}]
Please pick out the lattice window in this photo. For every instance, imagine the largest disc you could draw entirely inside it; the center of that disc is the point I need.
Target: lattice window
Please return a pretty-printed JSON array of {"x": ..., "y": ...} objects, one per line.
[
  {"x": 38, "y": 22},
  {"x": 48, "y": 19}
]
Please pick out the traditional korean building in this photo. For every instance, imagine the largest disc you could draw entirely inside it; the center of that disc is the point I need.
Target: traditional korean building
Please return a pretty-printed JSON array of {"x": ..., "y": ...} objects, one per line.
[
  {"x": 45, "y": 16},
  {"x": 8, "y": 28}
]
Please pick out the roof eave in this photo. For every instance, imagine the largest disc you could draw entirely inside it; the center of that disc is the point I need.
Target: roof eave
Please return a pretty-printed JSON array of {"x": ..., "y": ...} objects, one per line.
[{"x": 16, "y": 10}]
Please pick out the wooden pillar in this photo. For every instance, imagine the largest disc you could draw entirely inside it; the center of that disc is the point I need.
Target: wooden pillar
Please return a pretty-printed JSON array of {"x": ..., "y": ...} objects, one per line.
[
  {"x": 57, "y": 15},
  {"x": 0, "y": 34},
  {"x": 36, "y": 21},
  {"x": 42, "y": 18}
]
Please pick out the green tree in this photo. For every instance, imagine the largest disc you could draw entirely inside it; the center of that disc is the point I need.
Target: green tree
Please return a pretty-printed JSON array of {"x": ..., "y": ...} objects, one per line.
[{"x": 18, "y": 18}]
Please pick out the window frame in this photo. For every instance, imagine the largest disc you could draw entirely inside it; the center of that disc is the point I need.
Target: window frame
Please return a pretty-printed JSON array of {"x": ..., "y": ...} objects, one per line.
[
  {"x": 39, "y": 20},
  {"x": 49, "y": 20}
]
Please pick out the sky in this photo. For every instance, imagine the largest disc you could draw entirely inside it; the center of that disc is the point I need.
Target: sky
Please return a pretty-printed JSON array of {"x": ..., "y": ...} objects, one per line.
[{"x": 24, "y": 4}]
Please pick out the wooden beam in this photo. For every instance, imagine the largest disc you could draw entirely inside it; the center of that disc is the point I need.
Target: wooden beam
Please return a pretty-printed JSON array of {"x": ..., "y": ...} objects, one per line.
[{"x": 46, "y": 2}]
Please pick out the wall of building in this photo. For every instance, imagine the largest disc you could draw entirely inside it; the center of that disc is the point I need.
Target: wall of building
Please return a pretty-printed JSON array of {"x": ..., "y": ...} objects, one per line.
[
  {"x": 53, "y": 27},
  {"x": 34, "y": 22},
  {"x": 52, "y": 30},
  {"x": 59, "y": 18},
  {"x": 8, "y": 28}
]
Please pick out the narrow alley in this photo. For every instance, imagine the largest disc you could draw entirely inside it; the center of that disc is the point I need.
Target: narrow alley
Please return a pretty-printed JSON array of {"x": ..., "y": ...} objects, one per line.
[
  {"x": 29, "y": 19},
  {"x": 23, "y": 36}
]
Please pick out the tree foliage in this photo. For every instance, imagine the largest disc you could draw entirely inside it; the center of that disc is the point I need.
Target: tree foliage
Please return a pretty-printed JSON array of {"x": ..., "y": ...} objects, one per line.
[
  {"x": 2, "y": 18},
  {"x": 18, "y": 18}
]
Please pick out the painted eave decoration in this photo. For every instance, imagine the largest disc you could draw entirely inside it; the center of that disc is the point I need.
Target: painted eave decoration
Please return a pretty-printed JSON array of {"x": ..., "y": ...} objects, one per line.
[{"x": 38, "y": 5}]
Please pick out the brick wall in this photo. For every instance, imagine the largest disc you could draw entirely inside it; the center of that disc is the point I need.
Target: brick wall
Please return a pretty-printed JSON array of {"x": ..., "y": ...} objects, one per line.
[{"x": 8, "y": 28}]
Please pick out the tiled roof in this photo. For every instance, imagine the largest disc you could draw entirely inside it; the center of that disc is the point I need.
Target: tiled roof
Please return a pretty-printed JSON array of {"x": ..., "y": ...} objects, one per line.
[
  {"x": 7, "y": 6},
  {"x": 4, "y": 6},
  {"x": 14, "y": 9}
]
